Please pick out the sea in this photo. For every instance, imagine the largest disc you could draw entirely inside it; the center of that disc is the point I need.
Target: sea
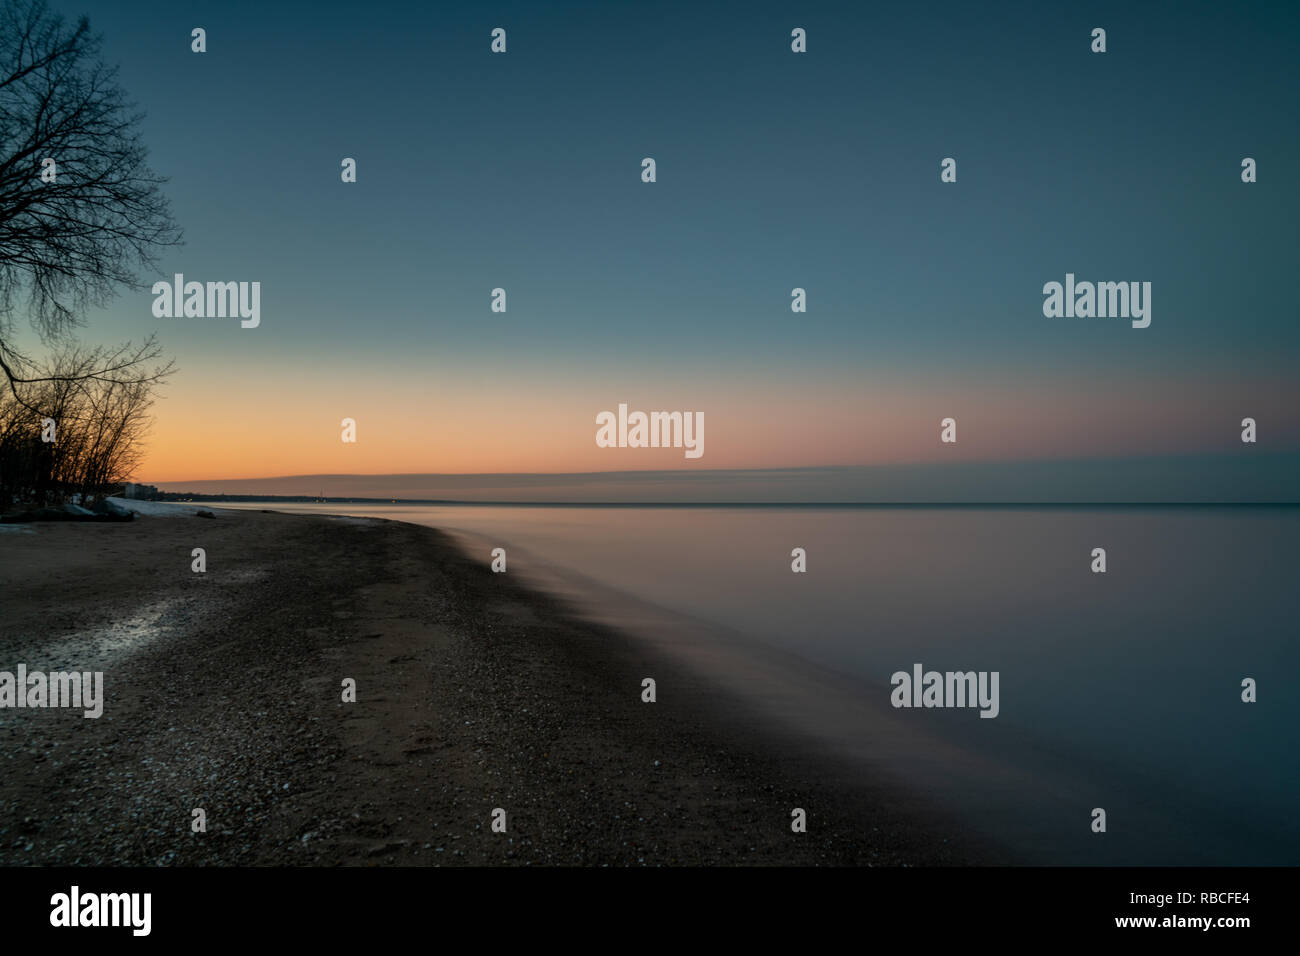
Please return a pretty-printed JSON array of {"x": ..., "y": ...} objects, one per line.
[{"x": 1119, "y": 691}]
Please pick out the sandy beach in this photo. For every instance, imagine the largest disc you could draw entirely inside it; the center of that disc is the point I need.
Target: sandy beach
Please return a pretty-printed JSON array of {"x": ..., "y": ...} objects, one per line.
[{"x": 223, "y": 692}]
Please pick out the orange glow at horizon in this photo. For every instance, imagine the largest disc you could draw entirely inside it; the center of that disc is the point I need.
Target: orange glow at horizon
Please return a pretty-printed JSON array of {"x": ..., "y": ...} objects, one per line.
[{"x": 208, "y": 431}]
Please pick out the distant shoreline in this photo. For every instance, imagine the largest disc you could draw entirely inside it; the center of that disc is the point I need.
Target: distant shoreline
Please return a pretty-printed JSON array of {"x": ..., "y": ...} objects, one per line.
[{"x": 174, "y": 498}]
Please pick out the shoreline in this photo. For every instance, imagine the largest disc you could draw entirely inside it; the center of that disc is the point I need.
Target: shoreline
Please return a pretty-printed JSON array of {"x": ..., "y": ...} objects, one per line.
[{"x": 474, "y": 692}]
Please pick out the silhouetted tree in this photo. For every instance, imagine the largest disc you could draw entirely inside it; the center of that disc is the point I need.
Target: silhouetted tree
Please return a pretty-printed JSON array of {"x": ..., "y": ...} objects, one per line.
[
  {"x": 99, "y": 424},
  {"x": 71, "y": 237}
]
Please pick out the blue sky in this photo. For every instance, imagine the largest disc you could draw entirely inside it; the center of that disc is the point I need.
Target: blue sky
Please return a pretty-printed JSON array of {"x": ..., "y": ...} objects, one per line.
[{"x": 775, "y": 170}]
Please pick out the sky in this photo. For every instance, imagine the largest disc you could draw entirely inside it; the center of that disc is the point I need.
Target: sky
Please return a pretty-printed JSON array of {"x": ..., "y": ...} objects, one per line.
[{"x": 775, "y": 170}]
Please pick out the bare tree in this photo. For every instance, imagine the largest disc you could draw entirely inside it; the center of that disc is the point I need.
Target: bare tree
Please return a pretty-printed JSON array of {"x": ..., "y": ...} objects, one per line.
[
  {"x": 100, "y": 423},
  {"x": 71, "y": 237}
]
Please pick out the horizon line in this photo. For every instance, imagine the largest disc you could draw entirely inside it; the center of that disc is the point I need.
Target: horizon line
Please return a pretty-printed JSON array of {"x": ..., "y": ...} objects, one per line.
[
  {"x": 688, "y": 471},
  {"x": 310, "y": 499}
]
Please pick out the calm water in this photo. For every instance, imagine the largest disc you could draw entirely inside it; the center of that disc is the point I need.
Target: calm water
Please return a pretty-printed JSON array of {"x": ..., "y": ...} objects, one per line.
[{"x": 1118, "y": 690}]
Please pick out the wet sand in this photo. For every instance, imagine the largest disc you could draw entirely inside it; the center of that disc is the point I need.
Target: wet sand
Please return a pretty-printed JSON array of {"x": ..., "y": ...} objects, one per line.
[{"x": 474, "y": 692}]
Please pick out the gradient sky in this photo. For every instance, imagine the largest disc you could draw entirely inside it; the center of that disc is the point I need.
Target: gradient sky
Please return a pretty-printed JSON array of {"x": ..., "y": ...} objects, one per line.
[{"x": 775, "y": 170}]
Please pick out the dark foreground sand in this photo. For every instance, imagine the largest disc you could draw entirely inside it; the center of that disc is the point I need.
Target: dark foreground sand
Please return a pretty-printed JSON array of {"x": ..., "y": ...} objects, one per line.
[{"x": 223, "y": 692}]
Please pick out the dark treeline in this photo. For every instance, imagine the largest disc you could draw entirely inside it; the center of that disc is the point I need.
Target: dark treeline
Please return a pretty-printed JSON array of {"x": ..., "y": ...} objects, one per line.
[
  {"x": 81, "y": 215},
  {"x": 71, "y": 434}
]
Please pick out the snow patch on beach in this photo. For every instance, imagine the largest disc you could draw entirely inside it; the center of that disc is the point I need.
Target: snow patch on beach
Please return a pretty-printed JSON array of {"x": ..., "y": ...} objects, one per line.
[
  {"x": 98, "y": 648},
  {"x": 241, "y": 575},
  {"x": 164, "y": 509},
  {"x": 352, "y": 519}
]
